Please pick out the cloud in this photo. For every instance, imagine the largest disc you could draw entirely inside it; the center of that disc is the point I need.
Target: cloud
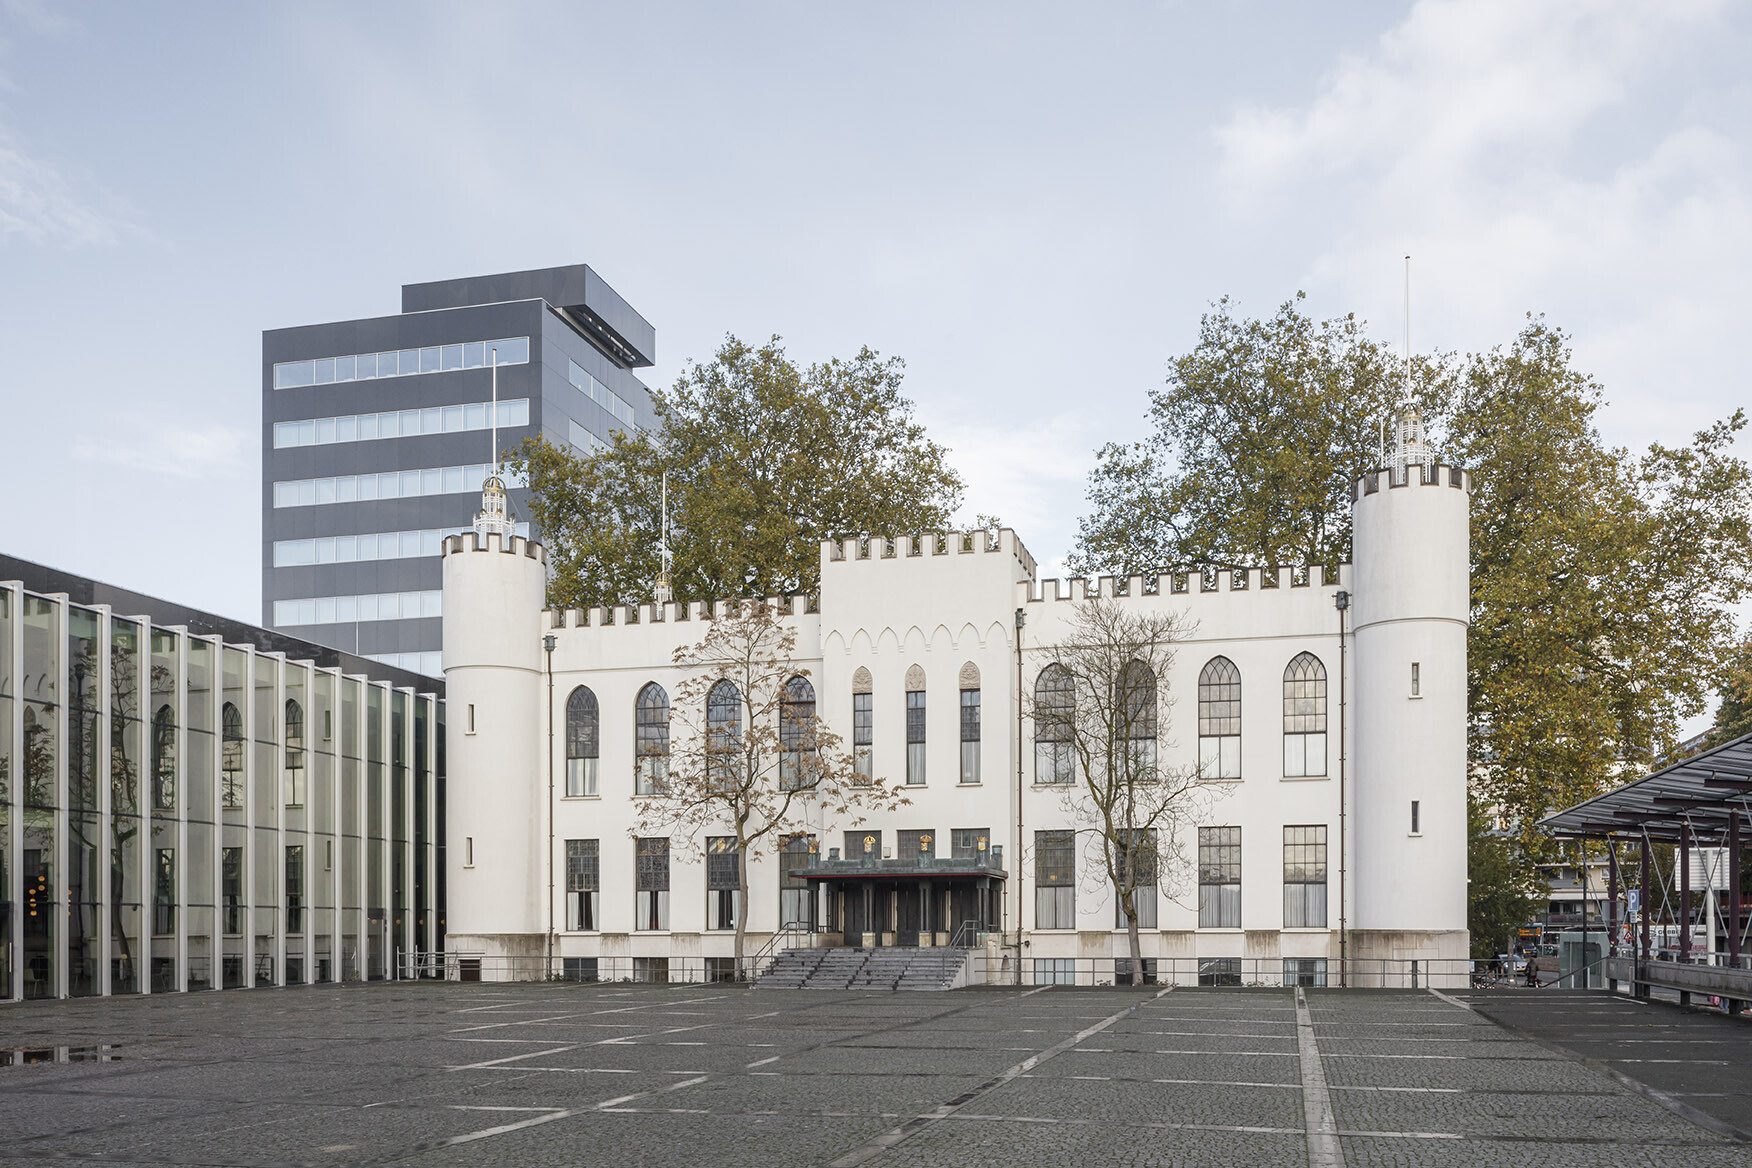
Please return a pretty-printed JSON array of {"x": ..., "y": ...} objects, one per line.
[
  {"x": 39, "y": 206},
  {"x": 194, "y": 452},
  {"x": 1578, "y": 159},
  {"x": 1030, "y": 474}
]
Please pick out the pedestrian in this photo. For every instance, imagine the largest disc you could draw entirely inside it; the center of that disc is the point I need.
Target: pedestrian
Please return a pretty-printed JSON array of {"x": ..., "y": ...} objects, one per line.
[{"x": 1532, "y": 973}]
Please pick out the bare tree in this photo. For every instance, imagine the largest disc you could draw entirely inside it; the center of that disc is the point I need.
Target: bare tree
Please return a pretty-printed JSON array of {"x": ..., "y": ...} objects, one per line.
[
  {"x": 749, "y": 756},
  {"x": 1099, "y": 715}
]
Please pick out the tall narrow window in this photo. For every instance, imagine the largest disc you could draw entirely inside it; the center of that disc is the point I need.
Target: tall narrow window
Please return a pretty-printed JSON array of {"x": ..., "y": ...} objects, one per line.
[
  {"x": 1055, "y": 712},
  {"x": 583, "y": 740},
  {"x": 164, "y": 891},
  {"x": 915, "y": 727},
  {"x": 1219, "y": 720},
  {"x": 863, "y": 727},
  {"x": 1304, "y": 717},
  {"x": 1219, "y": 878},
  {"x": 1135, "y": 850},
  {"x": 164, "y": 759},
  {"x": 231, "y": 756},
  {"x": 1305, "y": 877},
  {"x": 970, "y": 723},
  {"x": 724, "y": 735},
  {"x": 651, "y": 878},
  {"x": 1416, "y": 818},
  {"x": 723, "y": 882},
  {"x": 294, "y": 754},
  {"x": 797, "y": 758},
  {"x": 651, "y": 739},
  {"x": 1055, "y": 879},
  {"x": 231, "y": 889},
  {"x": 796, "y": 899},
  {"x": 1137, "y": 709},
  {"x": 1416, "y": 681},
  {"x": 294, "y": 888},
  {"x": 583, "y": 884}
]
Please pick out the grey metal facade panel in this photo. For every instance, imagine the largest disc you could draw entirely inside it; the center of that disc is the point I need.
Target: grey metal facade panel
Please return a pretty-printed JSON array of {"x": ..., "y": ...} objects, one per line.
[{"x": 574, "y": 287}]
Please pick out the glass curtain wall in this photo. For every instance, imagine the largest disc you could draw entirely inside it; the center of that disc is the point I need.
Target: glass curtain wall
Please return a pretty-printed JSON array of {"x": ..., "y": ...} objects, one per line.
[
  {"x": 200, "y": 795},
  {"x": 164, "y": 746},
  {"x": 126, "y": 875},
  {"x": 8, "y": 868},
  {"x": 176, "y": 813}
]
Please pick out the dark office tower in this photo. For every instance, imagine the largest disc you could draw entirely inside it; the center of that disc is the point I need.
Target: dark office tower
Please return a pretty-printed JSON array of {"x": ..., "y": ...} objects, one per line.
[{"x": 377, "y": 433}]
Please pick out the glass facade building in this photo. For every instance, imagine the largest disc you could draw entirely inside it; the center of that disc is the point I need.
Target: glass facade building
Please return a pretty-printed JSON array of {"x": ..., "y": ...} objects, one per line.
[
  {"x": 188, "y": 802},
  {"x": 378, "y": 427}
]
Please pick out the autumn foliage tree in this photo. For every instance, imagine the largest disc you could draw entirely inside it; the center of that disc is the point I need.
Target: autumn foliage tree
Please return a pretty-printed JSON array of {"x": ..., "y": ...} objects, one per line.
[
  {"x": 1604, "y": 581},
  {"x": 749, "y": 761},
  {"x": 763, "y": 460}
]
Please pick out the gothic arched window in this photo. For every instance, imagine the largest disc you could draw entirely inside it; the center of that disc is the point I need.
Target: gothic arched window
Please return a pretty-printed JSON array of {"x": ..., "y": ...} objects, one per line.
[
  {"x": 797, "y": 735},
  {"x": 1219, "y": 720},
  {"x": 1137, "y": 708},
  {"x": 724, "y": 733},
  {"x": 164, "y": 759},
  {"x": 1055, "y": 712},
  {"x": 294, "y": 753},
  {"x": 651, "y": 739},
  {"x": 583, "y": 739},
  {"x": 1304, "y": 716}
]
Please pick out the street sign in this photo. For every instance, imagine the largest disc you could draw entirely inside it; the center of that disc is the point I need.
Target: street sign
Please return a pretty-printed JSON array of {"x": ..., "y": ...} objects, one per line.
[{"x": 1635, "y": 900}]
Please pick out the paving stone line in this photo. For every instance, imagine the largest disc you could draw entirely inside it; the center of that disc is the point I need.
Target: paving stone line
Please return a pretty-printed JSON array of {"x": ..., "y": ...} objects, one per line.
[{"x": 1324, "y": 1150}]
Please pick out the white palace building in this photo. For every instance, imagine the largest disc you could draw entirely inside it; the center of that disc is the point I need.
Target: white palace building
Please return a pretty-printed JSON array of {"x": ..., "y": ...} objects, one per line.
[{"x": 1327, "y": 712}]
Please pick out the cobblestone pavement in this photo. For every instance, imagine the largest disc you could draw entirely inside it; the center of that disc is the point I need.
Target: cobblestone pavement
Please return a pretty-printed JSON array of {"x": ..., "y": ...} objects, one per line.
[{"x": 633, "y": 1076}]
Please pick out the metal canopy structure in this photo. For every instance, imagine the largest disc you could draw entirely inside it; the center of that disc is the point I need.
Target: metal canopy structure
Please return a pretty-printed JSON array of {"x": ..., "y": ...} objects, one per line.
[{"x": 1700, "y": 795}]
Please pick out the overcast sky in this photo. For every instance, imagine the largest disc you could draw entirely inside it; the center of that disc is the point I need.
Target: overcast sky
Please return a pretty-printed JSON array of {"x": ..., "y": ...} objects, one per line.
[{"x": 1031, "y": 204}]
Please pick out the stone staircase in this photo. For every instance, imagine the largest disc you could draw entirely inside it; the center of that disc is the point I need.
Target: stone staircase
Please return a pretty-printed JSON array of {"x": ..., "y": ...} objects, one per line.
[{"x": 876, "y": 969}]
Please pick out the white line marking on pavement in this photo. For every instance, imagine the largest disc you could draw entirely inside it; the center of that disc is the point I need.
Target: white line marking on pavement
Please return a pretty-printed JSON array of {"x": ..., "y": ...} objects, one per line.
[
  {"x": 512, "y": 1058},
  {"x": 893, "y": 1136},
  {"x": 1324, "y": 1150}
]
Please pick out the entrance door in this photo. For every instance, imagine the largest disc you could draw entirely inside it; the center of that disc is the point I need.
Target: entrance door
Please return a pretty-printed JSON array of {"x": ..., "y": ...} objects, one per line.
[
  {"x": 964, "y": 911},
  {"x": 912, "y": 912}
]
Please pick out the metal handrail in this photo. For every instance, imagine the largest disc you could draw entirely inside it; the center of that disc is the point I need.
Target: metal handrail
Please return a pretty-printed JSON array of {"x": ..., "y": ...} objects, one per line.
[
  {"x": 968, "y": 928},
  {"x": 788, "y": 929}
]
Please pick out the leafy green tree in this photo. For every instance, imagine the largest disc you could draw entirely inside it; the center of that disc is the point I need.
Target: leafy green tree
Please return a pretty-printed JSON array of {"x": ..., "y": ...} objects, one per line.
[
  {"x": 1255, "y": 440},
  {"x": 1603, "y": 583},
  {"x": 1734, "y": 716},
  {"x": 763, "y": 460},
  {"x": 1502, "y": 892}
]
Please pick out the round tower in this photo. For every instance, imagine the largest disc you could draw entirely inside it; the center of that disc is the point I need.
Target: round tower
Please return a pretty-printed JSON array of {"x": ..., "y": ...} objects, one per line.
[
  {"x": 1410, "y": 602},
  {"x": 494, "y": 588}
]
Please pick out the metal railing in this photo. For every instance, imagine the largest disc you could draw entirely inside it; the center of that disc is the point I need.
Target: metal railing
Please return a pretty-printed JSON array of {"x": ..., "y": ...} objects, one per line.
[{"x": 1230, "y": 972}]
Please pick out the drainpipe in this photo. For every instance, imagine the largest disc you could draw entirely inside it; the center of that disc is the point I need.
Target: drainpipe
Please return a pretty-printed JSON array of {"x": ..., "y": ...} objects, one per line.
[
  {"x": 1342, "y": 602},
  {"x": 547, "y": 643},
  {"x": 1021, "y": 619}
]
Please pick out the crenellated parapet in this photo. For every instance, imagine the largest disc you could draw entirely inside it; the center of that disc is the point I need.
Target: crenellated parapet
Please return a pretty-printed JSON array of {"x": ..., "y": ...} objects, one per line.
[
  {"x": 876, "y": 549},
  {"x": 1189, "y": 582},
  {"x": 473, "y": 541},
  {"x": 1385, "y": 479},
  {"x": 604, "y": 616}
]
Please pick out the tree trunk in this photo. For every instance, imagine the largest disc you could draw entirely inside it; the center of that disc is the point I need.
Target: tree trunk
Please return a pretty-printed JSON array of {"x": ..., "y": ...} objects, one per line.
[
  {"x": 741, "y": 906},
  {"x": 1131, "y": 933}
]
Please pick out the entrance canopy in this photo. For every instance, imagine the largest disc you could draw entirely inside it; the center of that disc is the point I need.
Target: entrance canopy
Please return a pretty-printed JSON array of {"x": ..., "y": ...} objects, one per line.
[{"x": 1699, "y": 793}]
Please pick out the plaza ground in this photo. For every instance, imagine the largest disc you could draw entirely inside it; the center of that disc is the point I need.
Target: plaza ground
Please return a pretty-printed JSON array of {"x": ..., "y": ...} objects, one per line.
[{"x": 450, "y": 1074}]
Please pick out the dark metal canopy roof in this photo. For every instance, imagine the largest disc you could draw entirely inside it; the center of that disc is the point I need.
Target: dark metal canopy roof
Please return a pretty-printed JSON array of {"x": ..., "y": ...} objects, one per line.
[{"x": 1698, "y": 791}]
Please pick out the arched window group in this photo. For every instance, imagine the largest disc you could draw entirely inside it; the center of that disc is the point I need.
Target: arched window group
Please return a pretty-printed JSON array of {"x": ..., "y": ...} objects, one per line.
[
  {"x": 1304, "y": 717},
  {"x": 583, "y": 743},
  {"x": 1055, "y": 713},
  {"x": 797, "y": 741},
  {"x": 724, "y": 734},
  {"x": 1136, "y": 702},
  {"x": 1219, "y": 720},
  {"x": 651, "y": 739}
]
